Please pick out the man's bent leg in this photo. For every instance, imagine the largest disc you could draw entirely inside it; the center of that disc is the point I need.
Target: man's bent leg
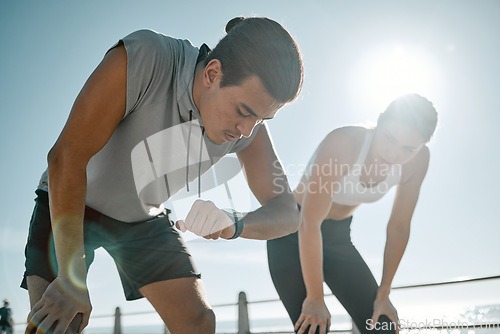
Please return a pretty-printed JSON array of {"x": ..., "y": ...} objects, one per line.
[
  {"x": 36, "y": 288},
  {"x": 182, "y": 305}
]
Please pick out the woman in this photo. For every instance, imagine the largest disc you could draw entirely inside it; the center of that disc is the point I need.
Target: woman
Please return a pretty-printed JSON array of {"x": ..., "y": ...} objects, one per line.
[{"x": 353, "y": 165}]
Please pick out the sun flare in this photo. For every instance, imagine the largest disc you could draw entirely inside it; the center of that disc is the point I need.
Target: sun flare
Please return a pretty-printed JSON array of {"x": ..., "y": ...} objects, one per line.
[{"x": 391, "y": 71}]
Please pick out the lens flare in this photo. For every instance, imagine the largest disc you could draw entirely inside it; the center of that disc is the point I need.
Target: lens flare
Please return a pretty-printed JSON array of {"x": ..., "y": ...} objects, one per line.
[{"x": 76, "y": 280}]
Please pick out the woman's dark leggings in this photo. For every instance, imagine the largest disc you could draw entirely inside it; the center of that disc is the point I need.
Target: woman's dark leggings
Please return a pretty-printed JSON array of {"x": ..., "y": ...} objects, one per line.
[{"x": 345, "y": 272}]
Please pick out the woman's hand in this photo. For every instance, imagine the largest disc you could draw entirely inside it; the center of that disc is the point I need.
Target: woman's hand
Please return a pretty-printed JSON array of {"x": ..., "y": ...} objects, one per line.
[
  {"x": 383, "y": 306},
  {"x": 314, "y": 314}
]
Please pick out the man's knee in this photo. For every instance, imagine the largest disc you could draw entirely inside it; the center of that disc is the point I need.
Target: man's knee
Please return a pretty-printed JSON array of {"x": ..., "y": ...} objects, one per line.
[
  {"x": 205, "y": 319},
  {"x": 201, "y": 321}
]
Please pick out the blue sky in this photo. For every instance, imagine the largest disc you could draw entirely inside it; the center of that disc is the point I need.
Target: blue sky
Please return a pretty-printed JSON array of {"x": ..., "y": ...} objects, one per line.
[{"x": 354, "y": 53}]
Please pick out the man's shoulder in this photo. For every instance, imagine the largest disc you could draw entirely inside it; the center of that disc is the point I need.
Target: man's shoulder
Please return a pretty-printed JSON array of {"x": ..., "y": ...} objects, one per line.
[
  {"x": 152, "y": 38},
  {"x": 157, "y": 52}
]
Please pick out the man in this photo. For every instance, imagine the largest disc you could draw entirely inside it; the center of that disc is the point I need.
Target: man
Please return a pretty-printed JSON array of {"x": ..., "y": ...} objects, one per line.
[{"x": 154, "y": 115}]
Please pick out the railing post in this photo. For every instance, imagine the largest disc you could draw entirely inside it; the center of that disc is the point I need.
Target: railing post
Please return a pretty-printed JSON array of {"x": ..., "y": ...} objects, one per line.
[
  {"x": 118, "y": 322},
  {"x": 243, "y": 322}
]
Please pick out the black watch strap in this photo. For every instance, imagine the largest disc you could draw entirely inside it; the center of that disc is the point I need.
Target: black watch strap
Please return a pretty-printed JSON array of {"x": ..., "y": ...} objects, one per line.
[{"x": 238, "y": 223}]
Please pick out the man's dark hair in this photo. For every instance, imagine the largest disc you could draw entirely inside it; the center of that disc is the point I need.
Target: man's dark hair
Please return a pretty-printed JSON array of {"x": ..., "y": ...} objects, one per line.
[{"x": 262, "y": 47}]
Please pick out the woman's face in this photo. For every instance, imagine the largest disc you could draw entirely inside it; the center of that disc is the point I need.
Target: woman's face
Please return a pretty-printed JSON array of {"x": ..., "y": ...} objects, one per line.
[{"x": 396, "y": 142}]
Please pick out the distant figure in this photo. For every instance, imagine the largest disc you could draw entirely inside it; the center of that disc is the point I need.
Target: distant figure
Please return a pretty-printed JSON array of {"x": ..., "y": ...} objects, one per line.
[
  {"x": 6, "y": 322},
  {"x": 353, "y": 165}
]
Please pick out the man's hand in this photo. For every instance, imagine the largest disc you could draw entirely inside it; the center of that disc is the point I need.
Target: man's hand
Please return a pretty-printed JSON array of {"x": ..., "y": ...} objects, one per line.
[
  {"x": 207, "y": 221},
  {"x": 60, "y": 303}
]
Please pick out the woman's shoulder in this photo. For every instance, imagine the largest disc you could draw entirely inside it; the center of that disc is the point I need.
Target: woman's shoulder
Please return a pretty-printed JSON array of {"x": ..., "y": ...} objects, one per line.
[
  {"x": 344, "y": 143},
  {"x": 348, "y": 133},
  {"x": 347, "y": 137}
]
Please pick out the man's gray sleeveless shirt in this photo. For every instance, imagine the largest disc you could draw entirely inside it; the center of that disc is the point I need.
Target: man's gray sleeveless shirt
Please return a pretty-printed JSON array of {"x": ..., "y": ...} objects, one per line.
[{"x": 156, "y": 148}]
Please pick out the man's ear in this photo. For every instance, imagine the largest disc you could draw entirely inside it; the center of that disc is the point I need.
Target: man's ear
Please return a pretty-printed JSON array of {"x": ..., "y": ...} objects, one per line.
[{"x": 212, "y": 73}]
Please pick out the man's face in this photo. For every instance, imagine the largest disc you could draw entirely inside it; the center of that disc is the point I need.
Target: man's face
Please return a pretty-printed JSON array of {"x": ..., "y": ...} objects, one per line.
[{"x": 230, "y": 112}]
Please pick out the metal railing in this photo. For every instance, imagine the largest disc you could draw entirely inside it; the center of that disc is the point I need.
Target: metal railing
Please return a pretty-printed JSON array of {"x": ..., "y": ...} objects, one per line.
[{"x": 244, "y": 323}]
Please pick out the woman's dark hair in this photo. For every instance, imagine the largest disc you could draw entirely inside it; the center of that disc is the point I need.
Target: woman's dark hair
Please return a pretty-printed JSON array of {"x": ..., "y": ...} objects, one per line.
[
  {"x": 413, "y": 110},
  {"x": 262, "y": 47}
]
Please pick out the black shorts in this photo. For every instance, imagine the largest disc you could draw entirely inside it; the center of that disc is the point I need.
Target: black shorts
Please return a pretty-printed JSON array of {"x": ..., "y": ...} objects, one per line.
[{"x": 144, "y": 252}]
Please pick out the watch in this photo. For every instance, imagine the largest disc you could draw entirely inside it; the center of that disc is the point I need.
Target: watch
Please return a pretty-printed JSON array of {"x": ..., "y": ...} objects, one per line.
[{"x": 237, "y": 217}]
